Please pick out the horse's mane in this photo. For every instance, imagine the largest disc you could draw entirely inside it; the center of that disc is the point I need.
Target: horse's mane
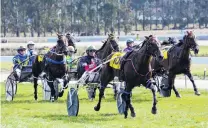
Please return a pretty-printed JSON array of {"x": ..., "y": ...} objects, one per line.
[
  {"x": 143, "y": 43},
  {"x": 102, "y": 46}
]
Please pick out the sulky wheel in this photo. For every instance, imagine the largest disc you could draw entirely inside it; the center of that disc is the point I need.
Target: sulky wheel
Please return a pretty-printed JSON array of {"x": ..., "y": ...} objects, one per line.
[{"x": 72, "y": 102}]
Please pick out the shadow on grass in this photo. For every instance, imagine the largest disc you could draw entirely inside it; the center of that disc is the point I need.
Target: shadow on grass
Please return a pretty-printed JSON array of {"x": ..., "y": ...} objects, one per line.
[
  {"x": 81, "y": 118},
  {"x": 16, "y": 101}
]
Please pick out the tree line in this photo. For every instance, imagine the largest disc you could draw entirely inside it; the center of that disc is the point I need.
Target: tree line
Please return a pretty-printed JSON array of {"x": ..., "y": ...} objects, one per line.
[{"x": 96, "y": 17}]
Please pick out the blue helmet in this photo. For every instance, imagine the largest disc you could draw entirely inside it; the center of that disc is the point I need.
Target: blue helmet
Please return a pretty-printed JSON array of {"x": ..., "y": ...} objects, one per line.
[{"x": 129, "y": 41}]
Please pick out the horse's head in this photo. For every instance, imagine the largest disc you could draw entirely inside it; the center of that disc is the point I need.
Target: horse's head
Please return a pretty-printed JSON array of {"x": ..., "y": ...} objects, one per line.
[
  {"x": 190, "y": 42},
  {"x": 109, "y": 46},
  {"x": 152, "y": 47},
  {"x": 61, "y": 46},
  {"x": 113, "y": 43},
  {"x": 70, "y": 39},
  {"x": 68, "y": 35}
]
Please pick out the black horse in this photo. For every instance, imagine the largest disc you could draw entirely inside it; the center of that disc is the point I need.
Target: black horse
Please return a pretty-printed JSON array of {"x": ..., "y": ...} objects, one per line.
[
  {"x": 137, "y": 70},
  {"x": 178, "y": 62},
  {"x": 56, "y": 66}
]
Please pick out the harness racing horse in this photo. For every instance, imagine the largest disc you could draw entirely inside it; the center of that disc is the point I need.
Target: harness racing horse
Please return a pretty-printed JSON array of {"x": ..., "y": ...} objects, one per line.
[
  {"x": 137, "y": 70},
  {"x": 179, "y": 62},
  {"x": 108, "y": 47},
  {"x": 56, "y": 66}
]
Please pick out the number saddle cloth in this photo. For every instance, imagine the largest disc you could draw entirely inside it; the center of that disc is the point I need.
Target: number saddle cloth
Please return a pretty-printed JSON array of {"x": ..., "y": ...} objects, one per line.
[{"x": 115, "y": 61}]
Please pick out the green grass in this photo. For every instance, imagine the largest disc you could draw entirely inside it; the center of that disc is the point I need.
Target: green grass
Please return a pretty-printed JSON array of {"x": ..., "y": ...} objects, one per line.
[
  {"x": 188, "y": 112},
  {"x": 198, "y": 70},
  {"x": 6, "y": 66},
  {"x": 203, "y": 51}
]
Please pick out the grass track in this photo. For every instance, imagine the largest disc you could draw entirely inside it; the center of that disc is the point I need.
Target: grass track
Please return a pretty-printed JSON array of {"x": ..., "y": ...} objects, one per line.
[{"x": 188, "y": 112}]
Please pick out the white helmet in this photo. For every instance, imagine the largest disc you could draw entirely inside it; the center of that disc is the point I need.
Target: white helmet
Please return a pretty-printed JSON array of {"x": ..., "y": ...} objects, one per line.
[
  {"x": 71, "y": 48},
  {"x": 30, "y": 44}
]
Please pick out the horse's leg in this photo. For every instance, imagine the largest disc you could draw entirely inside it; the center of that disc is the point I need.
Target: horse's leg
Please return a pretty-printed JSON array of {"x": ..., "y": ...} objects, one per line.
[
  {"x": 94, "y": 92},
  {"x": 106, "y": 77},
  {"x": 35, "y": 88},
  {"x": 188, "y": 73},
  {"x": 152, "y": 87},
  {"x": 133, "y": 114},
  {"x": 115, "y": 90},
  {"x": 170, "y": 80},
  {"x": 50, "y": 83},
  {"x": 154, "y": 107},
  {"x": 127, "y": 98},
  {"x": 101, "y": 93},
  {"x": 65, "y": 86},
  {"x": 174, "y": 88}
]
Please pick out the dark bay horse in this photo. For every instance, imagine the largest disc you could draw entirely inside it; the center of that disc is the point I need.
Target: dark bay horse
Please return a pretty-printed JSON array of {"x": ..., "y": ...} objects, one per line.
[
  {"x": 137, "y": 70},
  {"x": 56, "y": 66},
  {"x": 179, "y": 62}
]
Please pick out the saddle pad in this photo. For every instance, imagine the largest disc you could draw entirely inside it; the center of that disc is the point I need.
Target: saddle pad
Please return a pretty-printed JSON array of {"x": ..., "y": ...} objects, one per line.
[
  {"x": 165, "y": 51},
  {"x": 40, "y": 58},
  {"x": 115, "y": 63},
  {"x": 165, "y": 54}
]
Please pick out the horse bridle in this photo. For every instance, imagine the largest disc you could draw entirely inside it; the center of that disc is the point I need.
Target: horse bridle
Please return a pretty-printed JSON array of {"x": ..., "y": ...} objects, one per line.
[
  {"x": 147, "y": 47},
  {"x": 114, "y": 50}
]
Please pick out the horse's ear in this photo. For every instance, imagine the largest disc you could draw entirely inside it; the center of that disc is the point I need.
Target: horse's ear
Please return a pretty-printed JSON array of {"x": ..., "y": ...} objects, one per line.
[
  {"x": 57, "y": 33},
  {"x": 188, "y": 32}
]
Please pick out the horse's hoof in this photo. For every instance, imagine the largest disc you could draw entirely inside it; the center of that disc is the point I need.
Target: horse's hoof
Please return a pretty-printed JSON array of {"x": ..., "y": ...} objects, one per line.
[
  {"x": 197, "y": 93},
  {"x": 125, "y": 115},
  {"x": 52, "y": 99},
  {"x": 61, "y": 93},
  {"x": 178, "y": 96},
  {"x": 96, "y": 108},
  {"x": 133, "y": 114},
  {"x": 154, "y": 111}
]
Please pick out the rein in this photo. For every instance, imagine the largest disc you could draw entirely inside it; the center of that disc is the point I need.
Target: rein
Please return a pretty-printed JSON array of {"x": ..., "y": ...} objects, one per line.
[
  {"x": 143, "y": 53},
  {"x": 144, "y": 75}
]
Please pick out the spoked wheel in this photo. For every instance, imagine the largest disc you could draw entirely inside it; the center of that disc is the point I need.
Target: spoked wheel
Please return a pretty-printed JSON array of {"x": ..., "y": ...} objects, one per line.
[
  {"x": 121, "y": 104},
  {"x": 72, "y": 102},
  {"x": 10, "y": 87},
  {"x": 164, "y": 84},
  {"x": 158, "y": 82}
]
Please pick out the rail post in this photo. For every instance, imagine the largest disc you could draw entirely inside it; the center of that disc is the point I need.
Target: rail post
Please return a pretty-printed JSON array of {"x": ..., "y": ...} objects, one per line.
[{"x": 205, "y": 73}]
